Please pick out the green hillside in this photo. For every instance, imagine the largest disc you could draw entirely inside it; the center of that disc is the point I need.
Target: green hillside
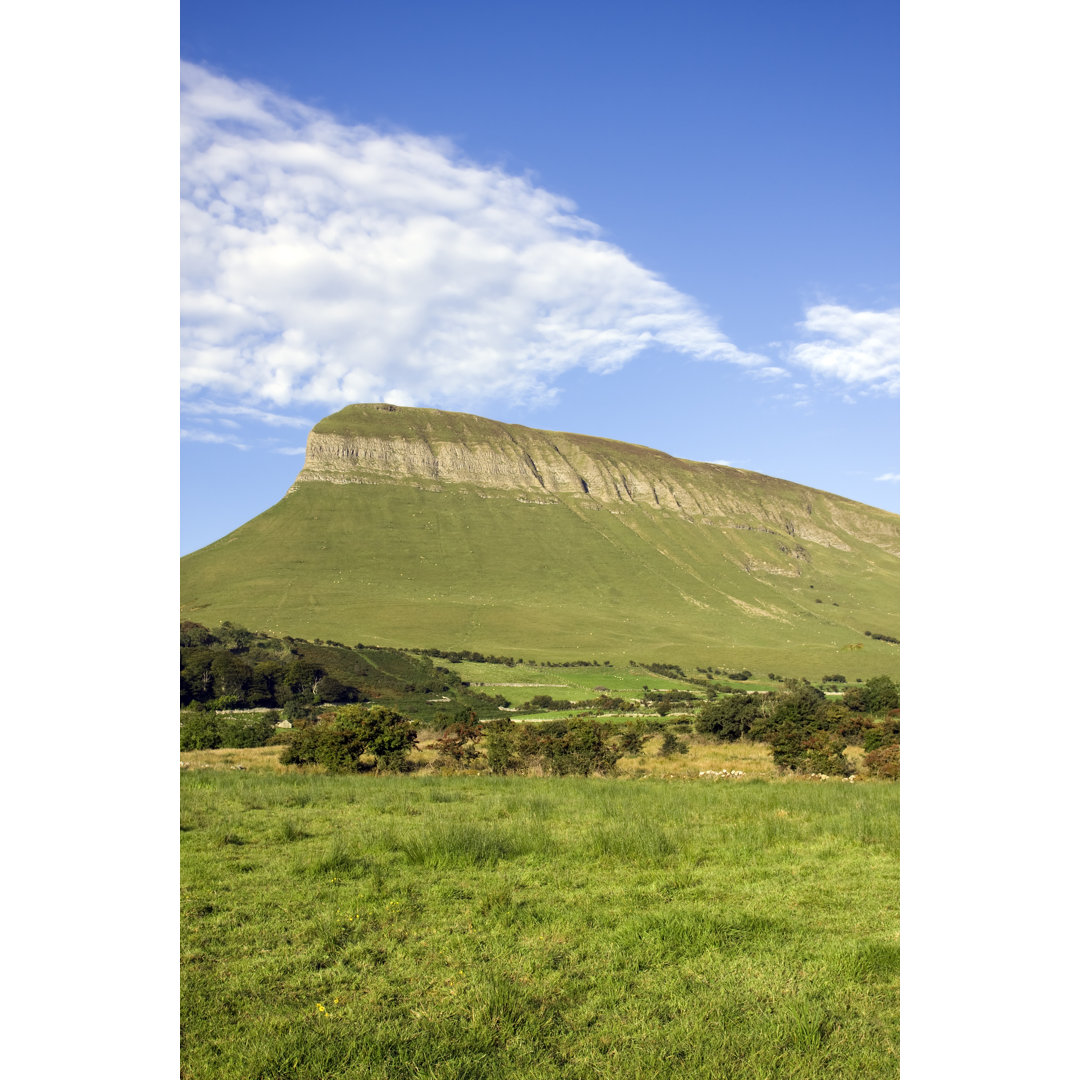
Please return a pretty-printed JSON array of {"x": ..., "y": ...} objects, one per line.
[{"x": 413, "y": 527}]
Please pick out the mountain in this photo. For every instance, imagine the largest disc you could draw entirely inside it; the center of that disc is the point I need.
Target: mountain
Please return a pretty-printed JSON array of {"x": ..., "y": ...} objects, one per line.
[{"x": 417, "y": 527}]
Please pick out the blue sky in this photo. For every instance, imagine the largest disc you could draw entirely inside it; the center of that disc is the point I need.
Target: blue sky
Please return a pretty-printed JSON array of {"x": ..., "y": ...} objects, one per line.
[{"x": 675, "y": 226}]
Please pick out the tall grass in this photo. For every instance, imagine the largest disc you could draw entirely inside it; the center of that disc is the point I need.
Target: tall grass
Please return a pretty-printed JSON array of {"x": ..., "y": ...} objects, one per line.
[{"x": 537, "y": 928}]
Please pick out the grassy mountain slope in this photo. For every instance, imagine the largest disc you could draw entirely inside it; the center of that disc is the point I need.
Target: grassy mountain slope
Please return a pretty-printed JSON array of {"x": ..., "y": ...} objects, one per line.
[{"x": 425, "y": 528}]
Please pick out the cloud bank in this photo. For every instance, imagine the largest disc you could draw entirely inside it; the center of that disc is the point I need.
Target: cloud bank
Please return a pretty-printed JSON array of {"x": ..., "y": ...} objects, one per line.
[
  {"x": 860, "y": 348},
  {"x": 330, "y": 264}
]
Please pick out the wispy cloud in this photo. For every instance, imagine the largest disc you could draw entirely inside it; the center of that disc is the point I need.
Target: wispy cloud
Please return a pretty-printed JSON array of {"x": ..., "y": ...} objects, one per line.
[
  {"x": 888, "y": 478},
  {"x": 330, "y": 264},
  {"x": 222, "y": 413},
  {"x": 290, "y": 450},
  {"x": 860, "y": 348},
  {"x": 197, "y": 435}
]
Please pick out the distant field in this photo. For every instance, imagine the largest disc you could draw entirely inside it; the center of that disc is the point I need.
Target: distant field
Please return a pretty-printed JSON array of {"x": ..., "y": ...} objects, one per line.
[
  {"x": 524, "y": 681},
  {"x": 354, "y": 926},
  {"x": 573, "y": 683}
]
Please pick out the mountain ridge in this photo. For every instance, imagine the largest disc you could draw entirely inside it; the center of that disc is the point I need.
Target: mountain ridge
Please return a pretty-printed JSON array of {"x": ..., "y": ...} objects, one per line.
[
  {"x": 417, "y": 527},
  {"x": 348, "y": 447}
]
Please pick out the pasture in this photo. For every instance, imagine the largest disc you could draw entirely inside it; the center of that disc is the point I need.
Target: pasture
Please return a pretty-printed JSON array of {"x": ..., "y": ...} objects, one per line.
[{"x": 479, "y": 926}]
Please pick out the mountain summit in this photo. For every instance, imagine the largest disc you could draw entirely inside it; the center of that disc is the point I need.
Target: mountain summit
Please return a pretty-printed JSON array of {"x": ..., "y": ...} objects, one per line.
[{"x": 417, "y": 527}]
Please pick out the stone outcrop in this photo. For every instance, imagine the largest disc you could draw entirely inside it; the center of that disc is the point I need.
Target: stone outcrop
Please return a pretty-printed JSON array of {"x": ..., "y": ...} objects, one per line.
[{"x": 393, "y": 444}]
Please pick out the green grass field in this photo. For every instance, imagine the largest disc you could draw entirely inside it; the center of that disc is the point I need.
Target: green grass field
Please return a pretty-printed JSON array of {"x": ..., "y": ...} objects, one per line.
[{"x": 474, "y": 927}]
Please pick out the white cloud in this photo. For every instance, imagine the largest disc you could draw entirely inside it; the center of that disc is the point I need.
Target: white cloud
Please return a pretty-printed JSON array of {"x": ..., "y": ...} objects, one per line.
[
  {"x": 891, "y": 478},
  {"x": 291, "y": 450},
  {"x": 196, "y": 435},
  {"x": 331, "y": 264},
  {"x": 219, "y": 412},
  {"x": 856, "y": 347}
]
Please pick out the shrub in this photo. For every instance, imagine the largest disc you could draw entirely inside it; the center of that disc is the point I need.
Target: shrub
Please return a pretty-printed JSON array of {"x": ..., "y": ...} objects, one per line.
[
  {"x": 671, "y": 744},
  {"x": 234, "y": 637},
  {"x": 199, "y": 731},
  {"x": 884, "y": 763},
  {"x": 498, "y": 736},
  {"x": 340, "y": 743},
  {"x": 882, "y": 694},
  {"x": 840, "y": 720},
  {"x": 444, "y": 721},
  {"x": 223, "y": 703},
  {"x": 823, "y": 752},
  {"x": 855, "y": 699},
  {"x": 192, "y": 634},
  {"x": 786, "y": 744},
  {"x": 544, "y": 703},
  {"x": 809, "y": 751},
  {"x": 580, "y": 751},
  {"x": 632, "y": 738},
  {"x": 729, "y": 718},
  {"x": 887, "y": 733},
  {"x": 246, "y": 730},
  {"x": 457, "y": 747},
  {"x": 609, "y": 703},
  {"x": 798, "y": 705}
]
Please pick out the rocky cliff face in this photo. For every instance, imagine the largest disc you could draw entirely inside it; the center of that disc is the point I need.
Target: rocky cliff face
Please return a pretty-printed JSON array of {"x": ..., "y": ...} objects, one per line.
[{"x": 386, "y": 444}]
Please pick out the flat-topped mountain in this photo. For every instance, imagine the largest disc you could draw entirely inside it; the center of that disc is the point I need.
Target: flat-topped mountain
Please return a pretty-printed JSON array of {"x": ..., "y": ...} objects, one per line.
[{"x": 417, "y": 527}]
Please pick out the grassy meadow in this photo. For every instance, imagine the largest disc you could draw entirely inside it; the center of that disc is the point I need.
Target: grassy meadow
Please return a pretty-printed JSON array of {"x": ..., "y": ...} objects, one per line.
[
  {"x": 527, "y": 927},
  {"x": 523, "y": 681},
  {"x": 450, "y": 569}
]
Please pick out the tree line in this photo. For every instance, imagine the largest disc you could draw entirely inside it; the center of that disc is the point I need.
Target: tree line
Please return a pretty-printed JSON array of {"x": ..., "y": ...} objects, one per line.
[
  {"x": 806, "y": 732},
  {"x": 352, "y": 707}
]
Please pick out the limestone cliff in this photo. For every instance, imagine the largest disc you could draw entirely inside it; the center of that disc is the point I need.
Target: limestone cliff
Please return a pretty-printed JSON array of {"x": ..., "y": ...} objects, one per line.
[{"x": 380, "y": 444}]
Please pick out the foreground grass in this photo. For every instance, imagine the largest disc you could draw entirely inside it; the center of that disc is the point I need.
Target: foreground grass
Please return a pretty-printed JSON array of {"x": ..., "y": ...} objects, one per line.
[{"x": 426, "y": 926}]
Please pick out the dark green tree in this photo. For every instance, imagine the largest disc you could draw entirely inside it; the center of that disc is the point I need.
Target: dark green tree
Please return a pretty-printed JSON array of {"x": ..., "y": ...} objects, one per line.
[
  {"x": 885, "y": 733},
  {"x": 670, "y": 744},
  {"x": 855, "y": 699},
  {"x": 301, "y": 678},
  {"x": 797, "y": 706},
  {"x": 340, "y": 743},
  {"x": 632, "y": 738},
  {"x": 882, "y": 694},
  {"x": 231, "y": 676},
  {"x": 386, "y": 733},
  {"x": 581, "y": 749},
  {"x": 729, "y": 718},
  {"x": 195, "y": 672},
  {"x": 199, "y": 731},
  {"x": 329, "y": 689},
  {"x": 235, "y": 638},
  {"x": 193, "y": 633},
  {"x": 499, "y": 744}
]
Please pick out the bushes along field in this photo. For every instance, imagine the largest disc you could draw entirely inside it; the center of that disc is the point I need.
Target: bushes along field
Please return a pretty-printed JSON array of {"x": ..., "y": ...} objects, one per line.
[{"x": 807, "y": 731}]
